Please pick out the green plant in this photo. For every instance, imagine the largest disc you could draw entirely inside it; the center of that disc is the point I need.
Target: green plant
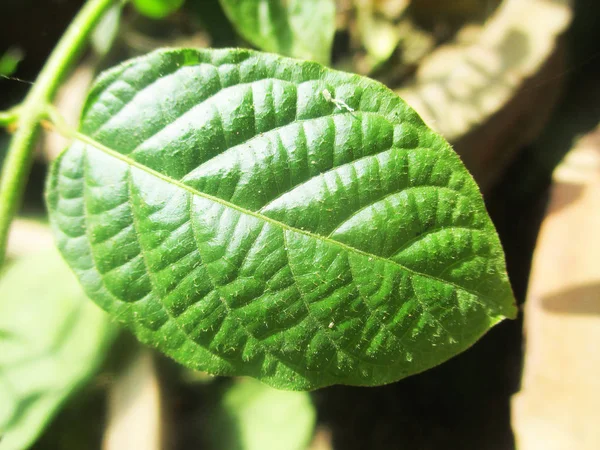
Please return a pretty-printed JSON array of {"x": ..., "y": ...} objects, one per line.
[
  {"x": 51, "y": 341},
  {"x": 251, "y": 214}
]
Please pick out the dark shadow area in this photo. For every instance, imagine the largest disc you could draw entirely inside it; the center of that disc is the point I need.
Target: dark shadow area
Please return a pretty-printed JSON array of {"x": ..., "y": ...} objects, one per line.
[
  {"x": 461, "y": 404},
  {"x": 584, "y": 299},
  {"x": 518, "y": 203},
  {"x": 34, "y": 27},
  {"x": 449, "y": 18},
  {"x": 79, "y": 424}
]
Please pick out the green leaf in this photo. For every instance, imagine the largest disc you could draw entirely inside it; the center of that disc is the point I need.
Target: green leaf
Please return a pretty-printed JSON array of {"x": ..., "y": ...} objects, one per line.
[
  {"x": 52, "y": 339},
  {"x": 9, "y": 61},
  {"x": 106, "y": 31},
  {"x": 157, "y": 9},
  {"x": 253, "y": 416},
  {"x": 250, "y": 214},
  {"x": 299, "y": 28}
]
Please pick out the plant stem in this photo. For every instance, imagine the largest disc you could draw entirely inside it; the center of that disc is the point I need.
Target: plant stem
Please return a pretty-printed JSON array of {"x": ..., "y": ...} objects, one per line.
[
  {"x": 20, "y": 152},
  {"x": 9, "y": 117}
]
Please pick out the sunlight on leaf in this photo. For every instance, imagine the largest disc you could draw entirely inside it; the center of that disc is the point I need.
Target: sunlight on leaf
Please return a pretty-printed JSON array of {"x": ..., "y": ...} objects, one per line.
[
  {"x": 253, "y": 416},
  {"x": 299, "y": 28},
  {"x": 157, "y": 9},
  {"x": 52, "y": 339},
  {"x": 107, "y": 29},
  {"x": 245, "y": 223}
]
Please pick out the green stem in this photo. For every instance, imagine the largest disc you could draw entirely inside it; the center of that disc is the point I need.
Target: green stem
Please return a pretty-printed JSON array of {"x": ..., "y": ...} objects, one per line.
[
  {"x": 9, "y": 117},
  {"x": 20, "y": 152}
]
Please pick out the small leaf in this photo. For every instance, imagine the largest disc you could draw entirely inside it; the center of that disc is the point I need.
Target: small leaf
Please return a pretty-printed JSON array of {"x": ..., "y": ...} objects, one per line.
[
  {"x": 107, "y": 29},
  {"x": 250, "y": 214},
  {"x": 52, "y": 339},
  {"x": 157, "y": 9},
  {"x": 299, "y": 28},
  {"x": 253, "y": 416},
  {"x": 213, "y": 20},
  {"x": 9, "y": 61}
]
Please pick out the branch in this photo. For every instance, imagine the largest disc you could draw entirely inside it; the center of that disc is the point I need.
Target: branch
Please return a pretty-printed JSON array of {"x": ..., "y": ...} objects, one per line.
[{"x": 20, "y": 152}]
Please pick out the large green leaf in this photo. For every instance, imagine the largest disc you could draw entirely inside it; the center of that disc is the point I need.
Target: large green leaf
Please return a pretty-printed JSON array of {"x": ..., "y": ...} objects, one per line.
[
  {"x": 299, "y": 28},
  {"x": 252, "y": 416},
  {"x": 255, "y": 215},
  {"x": 52, "y": 339}
]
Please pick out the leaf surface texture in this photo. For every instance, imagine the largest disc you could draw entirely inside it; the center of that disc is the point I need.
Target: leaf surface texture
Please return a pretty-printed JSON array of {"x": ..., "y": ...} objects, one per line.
[{"x": 245, "y": 222}]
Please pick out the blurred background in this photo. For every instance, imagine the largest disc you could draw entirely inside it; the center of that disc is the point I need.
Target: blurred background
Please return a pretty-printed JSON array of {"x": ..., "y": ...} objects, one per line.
[{"x": 514, "y": 85}]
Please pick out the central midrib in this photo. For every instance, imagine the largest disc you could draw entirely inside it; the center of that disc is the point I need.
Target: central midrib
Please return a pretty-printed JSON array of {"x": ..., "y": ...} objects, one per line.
[{"x": 90, "y": 141}]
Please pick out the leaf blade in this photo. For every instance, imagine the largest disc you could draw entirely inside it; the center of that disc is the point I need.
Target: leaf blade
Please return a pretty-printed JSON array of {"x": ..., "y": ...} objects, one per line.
[
  {"x": 253, "y": 416},
  {"x": 238, "y": 223},
  {"x": 298, "y": 28}
]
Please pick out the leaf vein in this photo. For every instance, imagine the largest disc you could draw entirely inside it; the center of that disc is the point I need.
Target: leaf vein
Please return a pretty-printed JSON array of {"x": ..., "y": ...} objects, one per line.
[{"x": 128, "y": 161}]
